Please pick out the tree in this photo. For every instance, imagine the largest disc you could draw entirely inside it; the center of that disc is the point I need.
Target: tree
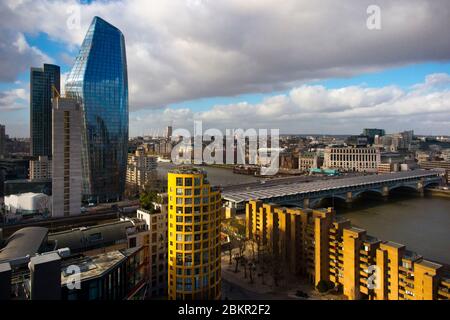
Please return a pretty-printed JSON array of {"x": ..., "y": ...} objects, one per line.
[
  {"x": 244, "y": 264},
  {"x": 251, "y": 266},
  {"x": 230, "y": 252},
  {"x": 146, "y": 200}
]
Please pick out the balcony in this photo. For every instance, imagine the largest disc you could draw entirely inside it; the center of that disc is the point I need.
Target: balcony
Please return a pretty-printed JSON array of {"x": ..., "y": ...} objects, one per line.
[{"x": 444, "y": 292}]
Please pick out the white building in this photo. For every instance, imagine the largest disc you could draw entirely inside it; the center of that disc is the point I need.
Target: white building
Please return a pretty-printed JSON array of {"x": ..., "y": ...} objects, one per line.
[
  {"x": 358, "y": 159},
  {"x": 66, "y": 168},
  {"x": 18, "y": 206}
]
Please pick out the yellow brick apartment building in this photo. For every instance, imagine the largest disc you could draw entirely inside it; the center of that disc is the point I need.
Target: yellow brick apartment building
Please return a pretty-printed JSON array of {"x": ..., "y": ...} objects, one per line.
[
  {"x": 319, "y": 245},
  {"x": 194, "y": 208}
]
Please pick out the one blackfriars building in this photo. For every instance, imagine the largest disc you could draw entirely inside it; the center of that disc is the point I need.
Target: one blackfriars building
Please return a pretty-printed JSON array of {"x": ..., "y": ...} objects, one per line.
[
  {"x": 43, "y": 81},
  {"x": 99, "y": 81}
]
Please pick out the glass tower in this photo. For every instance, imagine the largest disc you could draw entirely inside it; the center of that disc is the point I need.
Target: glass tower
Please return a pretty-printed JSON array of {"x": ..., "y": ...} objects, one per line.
[
  {"x": 41, "y": 82},
  {"x": 99, "y": 81}
]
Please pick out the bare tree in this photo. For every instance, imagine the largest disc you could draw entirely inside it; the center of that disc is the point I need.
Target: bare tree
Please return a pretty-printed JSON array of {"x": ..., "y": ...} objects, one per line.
[
  {"x": 244, "y": 264},
  {"x": 251, "y": 265}
]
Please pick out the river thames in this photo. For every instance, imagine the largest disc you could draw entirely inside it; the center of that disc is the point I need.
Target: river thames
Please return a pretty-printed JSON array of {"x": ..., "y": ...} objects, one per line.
[{"x": 422, "y": 224}]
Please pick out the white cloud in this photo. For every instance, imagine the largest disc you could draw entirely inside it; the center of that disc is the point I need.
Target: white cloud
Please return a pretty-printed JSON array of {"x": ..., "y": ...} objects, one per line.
[
  {"x": 315, "y": 109},
  {"x": 13, "y": 100},
  {"x": 187, "y": 49}
]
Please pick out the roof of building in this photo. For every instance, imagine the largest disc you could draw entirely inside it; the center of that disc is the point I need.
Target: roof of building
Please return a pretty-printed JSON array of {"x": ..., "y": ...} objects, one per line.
[
  {"x": 95, "y": 266},
  {"x": 91, "y": 267},
  {"x": 24, "y": 242},
  {"x": 187, "y": 170},
  {"x": 429, "y": 264},
  {"x": 82, "y": 239},
  {"x": 394, "y": 244}
]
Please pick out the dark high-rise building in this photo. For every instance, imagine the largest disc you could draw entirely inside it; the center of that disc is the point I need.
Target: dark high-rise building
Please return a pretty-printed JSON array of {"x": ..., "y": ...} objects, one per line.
[
  {"x": 2, "y": 141},
  {"x": 371, "y": 133},
  {"x": 99, "y": 81},
  {"x": 41, "y": 82}
]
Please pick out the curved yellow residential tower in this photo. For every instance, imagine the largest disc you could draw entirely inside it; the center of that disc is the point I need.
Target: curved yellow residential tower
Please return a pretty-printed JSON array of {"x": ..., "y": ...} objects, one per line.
[{"x": 194, "y": 236}]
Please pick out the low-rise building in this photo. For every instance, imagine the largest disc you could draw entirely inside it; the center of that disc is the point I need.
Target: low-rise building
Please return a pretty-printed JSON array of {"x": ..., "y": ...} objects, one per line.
[
  {"x": 20, "y": 206},
  {"x": 387, "y": 167},
  {"x": 309, "y": 160},
  {"x": 156, "y": 240},
  {"x": 351, "y": 159}
]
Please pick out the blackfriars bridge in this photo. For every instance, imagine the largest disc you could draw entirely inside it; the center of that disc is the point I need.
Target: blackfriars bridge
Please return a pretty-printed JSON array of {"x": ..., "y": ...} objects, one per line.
[{"x": 309, "y": 194}]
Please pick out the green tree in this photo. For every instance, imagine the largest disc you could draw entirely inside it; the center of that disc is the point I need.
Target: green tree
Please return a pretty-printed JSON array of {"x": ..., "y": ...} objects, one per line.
[{"x": 147, "y": 198}]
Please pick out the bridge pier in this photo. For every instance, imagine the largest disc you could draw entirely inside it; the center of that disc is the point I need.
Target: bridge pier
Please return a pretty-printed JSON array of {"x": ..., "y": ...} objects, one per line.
[
  {"x": 420, "y": 188},
  {"x": 306, "y": 203},
  {"x": 385, "y": 193},
  {"x": 349, "y": 200}
]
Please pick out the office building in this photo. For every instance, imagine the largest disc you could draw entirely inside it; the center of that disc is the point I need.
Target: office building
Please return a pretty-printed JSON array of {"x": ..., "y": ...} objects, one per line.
[
  {"x": 194, "y": 236},
  {"x": 2, "y": 141},
  {"x": 168, "y": 132},
  {"x": 396, "y": 141},
  {"x": 99, "y": 81},
  {"x": 41, "y": 168},
  {"x": 66, "y": 164},
  {"x": 43, "y": 82},
  {"x": 309, "y": 160},
  {"x": 18, "y": 186},
  {"x": 141, "y": 169},
  {"x": 371, "y": 133},
  {"x": 321, "y": 246},
  {"x": 351, "y": 159},
  {"x": 357, "y": 141}
]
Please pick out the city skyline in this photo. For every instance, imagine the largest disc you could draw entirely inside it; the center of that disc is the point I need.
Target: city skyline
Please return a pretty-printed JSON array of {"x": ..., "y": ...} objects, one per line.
[
  {"x": 195, "y": 150},
  {"x": 179, "y": 72}
]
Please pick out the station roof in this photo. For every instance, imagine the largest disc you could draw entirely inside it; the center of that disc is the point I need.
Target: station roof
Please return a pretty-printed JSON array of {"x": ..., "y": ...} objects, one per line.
[{"x": 24, "y": 242}]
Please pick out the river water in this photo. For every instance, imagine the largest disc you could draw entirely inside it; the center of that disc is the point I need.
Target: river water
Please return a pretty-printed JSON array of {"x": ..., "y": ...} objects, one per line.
[{"x": 422, "y": 224}]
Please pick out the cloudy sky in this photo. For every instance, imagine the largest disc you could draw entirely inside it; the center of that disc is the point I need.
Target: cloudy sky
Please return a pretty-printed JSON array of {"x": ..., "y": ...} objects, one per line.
[{"x": 302, "y": 66}]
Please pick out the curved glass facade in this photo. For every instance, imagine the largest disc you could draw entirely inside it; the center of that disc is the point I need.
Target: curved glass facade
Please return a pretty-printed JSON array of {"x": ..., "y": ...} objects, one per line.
[{"x": 99, "y": 80}]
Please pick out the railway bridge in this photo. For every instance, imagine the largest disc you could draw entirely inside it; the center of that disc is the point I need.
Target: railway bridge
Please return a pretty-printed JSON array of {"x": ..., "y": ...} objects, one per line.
[{"x": 308, "y": 195}]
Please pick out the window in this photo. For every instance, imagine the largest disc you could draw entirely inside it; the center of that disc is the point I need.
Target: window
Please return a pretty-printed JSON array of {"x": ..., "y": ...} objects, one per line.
[
  {"x": 188, "y": 182},
  {"x": 179, "y": 182},
  {"x": 95, "y": 237},
  {"x": 132, "y": 242}
]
